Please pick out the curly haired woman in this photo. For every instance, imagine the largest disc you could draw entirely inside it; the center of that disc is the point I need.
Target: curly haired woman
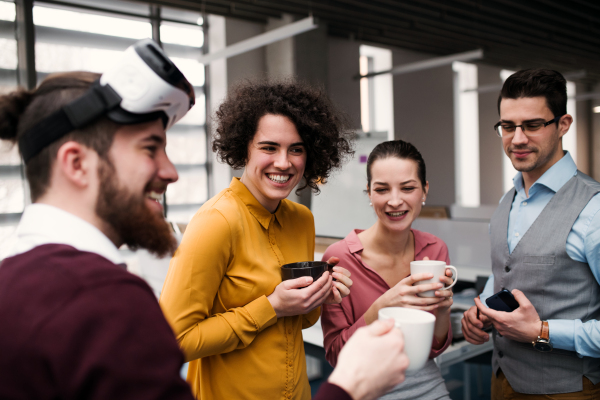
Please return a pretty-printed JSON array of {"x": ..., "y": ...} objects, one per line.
[{"x": 237, "y": 323}]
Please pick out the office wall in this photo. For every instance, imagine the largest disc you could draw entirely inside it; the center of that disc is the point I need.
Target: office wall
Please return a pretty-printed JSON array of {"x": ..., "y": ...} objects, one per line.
[
  {"x": 490, "y": 145},
  {"x": 424, "y": 116},
  {"x": 584, "y": 131},
  {"x": 251, "y": 64},
  {"x": 343, "y": 89}
]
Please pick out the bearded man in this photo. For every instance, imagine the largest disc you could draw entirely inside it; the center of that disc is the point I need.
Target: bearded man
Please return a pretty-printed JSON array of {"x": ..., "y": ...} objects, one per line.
[{"x": 75, "y": 323}]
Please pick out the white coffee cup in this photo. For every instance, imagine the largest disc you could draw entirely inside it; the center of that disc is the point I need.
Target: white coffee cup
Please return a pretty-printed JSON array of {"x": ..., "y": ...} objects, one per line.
[
  {"x": 417, "y": 327},
  {"x": 437, "y": 268}
]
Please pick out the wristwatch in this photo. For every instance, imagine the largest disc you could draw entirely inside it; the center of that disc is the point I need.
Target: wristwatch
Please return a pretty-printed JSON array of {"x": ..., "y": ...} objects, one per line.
[{"x": 542, "y": 343}]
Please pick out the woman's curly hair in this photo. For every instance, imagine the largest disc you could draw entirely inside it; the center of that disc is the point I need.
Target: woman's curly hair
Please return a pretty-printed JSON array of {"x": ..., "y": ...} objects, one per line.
[{"x": 323, "y": 129}]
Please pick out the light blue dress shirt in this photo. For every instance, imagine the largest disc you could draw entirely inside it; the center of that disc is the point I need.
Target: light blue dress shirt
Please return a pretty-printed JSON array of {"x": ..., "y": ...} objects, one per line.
[{"x": 583, "y": 245}]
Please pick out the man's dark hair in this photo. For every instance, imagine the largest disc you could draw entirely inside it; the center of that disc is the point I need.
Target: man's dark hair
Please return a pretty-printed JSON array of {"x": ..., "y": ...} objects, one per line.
[
  {"x": 23, "y": 109},
  {"x": 537, "y": 83},
  {"x": 323, "y": 129}
]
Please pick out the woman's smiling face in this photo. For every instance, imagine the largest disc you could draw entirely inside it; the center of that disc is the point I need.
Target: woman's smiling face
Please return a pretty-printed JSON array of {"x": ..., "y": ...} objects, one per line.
[
  {"x": 396, "y": 192},
  {"x": 276, "y": 161}
]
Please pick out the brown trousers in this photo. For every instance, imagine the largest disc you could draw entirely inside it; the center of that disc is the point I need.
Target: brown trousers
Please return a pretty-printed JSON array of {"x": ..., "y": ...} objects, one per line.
[{"x": 501, "y": 390}]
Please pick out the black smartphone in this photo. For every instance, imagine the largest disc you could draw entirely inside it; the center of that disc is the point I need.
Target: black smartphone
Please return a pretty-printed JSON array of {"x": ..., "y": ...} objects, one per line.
[{"x": 502, "y": 301}]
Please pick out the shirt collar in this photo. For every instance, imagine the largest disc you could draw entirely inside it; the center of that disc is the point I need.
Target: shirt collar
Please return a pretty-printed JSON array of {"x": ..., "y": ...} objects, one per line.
[
  {"x": 556, "y": 176},
  {"x": 262, "y": 215},
  {"x": 44, "y": 224},
  {"x": 421, "y": 241}
]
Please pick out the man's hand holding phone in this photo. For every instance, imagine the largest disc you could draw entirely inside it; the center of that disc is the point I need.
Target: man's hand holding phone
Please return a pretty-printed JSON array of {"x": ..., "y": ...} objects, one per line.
[{"x": 522, "y": 325}]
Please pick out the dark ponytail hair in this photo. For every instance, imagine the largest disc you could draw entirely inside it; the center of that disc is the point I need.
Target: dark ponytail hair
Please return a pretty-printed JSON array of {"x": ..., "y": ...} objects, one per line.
[
  {"x": 12, "y": 107},
  {"x": 22, "y": 109},
  {"x": 398, "y": 149}
]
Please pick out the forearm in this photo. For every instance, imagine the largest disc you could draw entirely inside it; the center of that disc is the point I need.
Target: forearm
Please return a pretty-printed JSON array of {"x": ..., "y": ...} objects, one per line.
[
  {"x": 442, "y": 327},
  {"x": 225, "y": 332}
]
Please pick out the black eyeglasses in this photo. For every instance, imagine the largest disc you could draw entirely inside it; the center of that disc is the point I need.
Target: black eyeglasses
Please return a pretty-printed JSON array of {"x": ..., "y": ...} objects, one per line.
[{"x": 505, "y": 130}]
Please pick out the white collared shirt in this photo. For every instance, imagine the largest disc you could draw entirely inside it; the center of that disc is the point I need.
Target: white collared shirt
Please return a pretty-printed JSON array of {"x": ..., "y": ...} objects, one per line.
[{"x": 44, "y": 224}]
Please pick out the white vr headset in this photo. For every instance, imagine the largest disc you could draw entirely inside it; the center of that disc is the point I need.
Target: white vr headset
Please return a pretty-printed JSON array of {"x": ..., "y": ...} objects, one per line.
[{"x": 144, "y": 86}]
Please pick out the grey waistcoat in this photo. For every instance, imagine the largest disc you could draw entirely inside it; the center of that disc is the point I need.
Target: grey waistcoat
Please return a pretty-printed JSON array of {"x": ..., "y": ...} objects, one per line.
[{"x": 557, "y": 286}]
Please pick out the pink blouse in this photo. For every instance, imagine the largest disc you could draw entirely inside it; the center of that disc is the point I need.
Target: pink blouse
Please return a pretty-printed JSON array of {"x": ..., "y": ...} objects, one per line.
[{"x": 340, "y": 321}]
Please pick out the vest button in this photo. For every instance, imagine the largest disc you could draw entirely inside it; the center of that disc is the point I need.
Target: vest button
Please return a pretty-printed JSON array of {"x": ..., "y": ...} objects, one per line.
[
  {"x": 500, "y": 354},
  {"x": 507, "y": 268}
]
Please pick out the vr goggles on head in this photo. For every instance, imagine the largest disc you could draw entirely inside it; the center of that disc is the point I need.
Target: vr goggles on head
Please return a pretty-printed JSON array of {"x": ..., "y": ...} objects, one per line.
[{"x": 143, "y": 87}]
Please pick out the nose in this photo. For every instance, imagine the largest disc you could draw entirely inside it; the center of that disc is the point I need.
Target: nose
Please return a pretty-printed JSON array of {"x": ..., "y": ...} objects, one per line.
[
  {"x": 166, "y": 170},
  {"x": 282, "y": 160},
  {"x": 520, "y": 137},
  {"x": 395, "y": 199}
]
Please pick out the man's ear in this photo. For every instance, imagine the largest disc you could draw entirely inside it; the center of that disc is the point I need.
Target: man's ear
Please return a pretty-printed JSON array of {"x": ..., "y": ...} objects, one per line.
[
  {"x": 564, "y": 124},
  {"x": 77, "y": 163}
]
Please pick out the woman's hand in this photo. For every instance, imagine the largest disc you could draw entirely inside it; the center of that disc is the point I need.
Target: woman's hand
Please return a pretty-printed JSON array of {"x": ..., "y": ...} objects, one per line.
[
  {"x": 445, "y": 295},
  {"x": 300, "y": 296},
  {"x": 404, "y": 294},
  {"x": 341, "y": 284}
]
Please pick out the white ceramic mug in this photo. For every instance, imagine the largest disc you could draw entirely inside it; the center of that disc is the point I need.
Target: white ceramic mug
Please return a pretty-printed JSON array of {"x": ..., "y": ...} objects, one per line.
[
  {"x": 417, "y": 327},
  {"x": 437, "y": 268}
]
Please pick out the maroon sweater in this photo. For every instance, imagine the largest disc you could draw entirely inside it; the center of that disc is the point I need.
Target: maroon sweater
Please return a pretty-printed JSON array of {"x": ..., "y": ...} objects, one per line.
[{"x": 73, "y": 325}]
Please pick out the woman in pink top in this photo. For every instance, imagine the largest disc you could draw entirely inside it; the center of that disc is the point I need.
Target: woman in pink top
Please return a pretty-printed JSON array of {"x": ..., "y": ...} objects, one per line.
[{"x": 379, "y": 261}]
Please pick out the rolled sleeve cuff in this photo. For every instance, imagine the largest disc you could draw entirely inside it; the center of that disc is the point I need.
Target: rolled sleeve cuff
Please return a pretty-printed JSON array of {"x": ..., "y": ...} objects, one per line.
[
  {"x": 434, "y": 353},
  {"x": 262, "y": 313},
  {"x": 562, "y": 333}
]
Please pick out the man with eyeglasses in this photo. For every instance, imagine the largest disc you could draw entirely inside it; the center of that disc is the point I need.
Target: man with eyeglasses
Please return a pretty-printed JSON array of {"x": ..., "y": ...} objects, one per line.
[{"x": 545, "y": 240}]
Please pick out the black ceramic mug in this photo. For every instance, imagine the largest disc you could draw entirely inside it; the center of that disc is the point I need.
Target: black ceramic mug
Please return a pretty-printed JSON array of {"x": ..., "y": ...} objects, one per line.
[{"x": 305, "y": 268}]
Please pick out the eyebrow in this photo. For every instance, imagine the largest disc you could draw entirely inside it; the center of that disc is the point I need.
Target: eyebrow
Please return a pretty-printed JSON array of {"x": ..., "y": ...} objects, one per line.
[
  {"x": 526, "y": 121},
  {"x": 402, "y": 183},
  {"x": 154, "y": 138},
  {"x": 277, "y": 144}
]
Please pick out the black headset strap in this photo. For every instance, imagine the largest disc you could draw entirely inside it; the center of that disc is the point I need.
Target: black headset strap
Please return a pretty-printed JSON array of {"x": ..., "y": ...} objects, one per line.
[{"x": 97, "y": 101}]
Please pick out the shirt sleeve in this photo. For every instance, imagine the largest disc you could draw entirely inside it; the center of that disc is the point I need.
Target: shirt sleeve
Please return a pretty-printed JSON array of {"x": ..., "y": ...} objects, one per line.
[
  {"x": 311, "y": 318},
  {"x": 113, "y": 342},
  {"x": 575, "y": 335},
  {"x": 329, "y": 391},
  {"x": 191, "y": 287},
  {"x": 337, "y": 325},
  {"x": 488, "y": 290}
]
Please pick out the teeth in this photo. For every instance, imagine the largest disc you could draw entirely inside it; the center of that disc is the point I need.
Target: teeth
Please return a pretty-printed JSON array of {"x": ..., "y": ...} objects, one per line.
[
  {"x": 154, "y": 195},
  {"x": 279, "y": 178},
  {"x": 396, "y": 214}
]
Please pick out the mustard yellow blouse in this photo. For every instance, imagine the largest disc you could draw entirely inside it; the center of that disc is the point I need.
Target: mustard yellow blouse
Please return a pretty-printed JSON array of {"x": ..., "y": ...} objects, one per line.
[{"x": 215, "y": 293}]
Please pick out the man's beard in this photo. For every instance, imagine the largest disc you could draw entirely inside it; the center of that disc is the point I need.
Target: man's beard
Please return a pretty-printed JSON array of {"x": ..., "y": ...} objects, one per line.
[{"x": 127, "y": 213}]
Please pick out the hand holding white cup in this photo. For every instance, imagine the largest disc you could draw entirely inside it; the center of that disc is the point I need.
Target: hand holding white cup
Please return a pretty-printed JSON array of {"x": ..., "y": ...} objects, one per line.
[
  {"x": 437, "y": 268},
  {"x": 417, "y": 327}
]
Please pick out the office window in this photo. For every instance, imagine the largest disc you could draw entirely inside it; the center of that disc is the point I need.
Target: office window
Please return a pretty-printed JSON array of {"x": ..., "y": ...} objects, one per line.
[
  {"x": 376, "y": 93},
  {"x": 90, "y": 35},
  {"x": 466, "y": 130},
  {"x": 186, "y": 144},
  {"x": 12, "y": 193}
]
